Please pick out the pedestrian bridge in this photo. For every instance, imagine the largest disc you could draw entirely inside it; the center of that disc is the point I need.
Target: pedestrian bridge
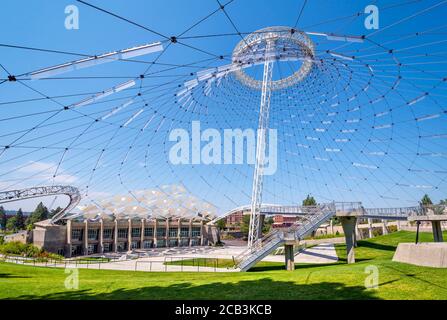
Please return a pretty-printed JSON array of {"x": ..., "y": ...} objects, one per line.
[
  {"x": 341, "y": 209},
  {"x": 311, "y": 217}
]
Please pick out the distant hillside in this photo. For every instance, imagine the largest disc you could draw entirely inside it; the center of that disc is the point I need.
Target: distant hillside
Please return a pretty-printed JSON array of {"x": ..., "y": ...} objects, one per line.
[{"x": 13, "y": 213}]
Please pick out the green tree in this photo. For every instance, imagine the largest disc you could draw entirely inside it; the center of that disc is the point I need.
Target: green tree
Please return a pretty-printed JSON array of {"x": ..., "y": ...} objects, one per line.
[
  {"x": 20, "y": 220},
  {"x": 11, "y": 224},
  {"x": 53, "y": 212},
  {"x": 245, "y": 227},
  {"x": 221, "y": 224},
  {"x": 3, "y": 219},
  {"x": 267, "y": 225},
  {"x": 309, "y": 201},
  {"x": 426, "y": 201},
  {"x": 443, "y": 202},
  {"x": 39, "y": 214}
]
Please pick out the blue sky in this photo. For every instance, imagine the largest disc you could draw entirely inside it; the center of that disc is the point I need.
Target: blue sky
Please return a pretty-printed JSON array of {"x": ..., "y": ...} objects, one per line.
[{"x": 410, "y": 166}]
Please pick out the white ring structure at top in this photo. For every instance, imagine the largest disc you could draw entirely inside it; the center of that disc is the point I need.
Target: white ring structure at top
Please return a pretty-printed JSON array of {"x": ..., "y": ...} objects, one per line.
[{"x": 289, "y": 45}]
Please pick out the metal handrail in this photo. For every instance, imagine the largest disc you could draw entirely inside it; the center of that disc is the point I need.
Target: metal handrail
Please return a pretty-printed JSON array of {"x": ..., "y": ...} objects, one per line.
[{"x": 299, "y": 229}]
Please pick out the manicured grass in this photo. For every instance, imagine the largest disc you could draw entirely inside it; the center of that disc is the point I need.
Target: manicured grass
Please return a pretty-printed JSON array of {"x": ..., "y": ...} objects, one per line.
[
  {"x": 203, "y": 262},
  {"x": 92, "y": 260},
  {"x": 325, "y": 236},
  {"x": 266, "y": 281}
]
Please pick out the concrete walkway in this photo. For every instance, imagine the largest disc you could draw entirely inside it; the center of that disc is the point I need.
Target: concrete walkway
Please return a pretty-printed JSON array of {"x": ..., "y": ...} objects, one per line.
[
  {"x": 322, "y": 253},
  {"x": 155, "y": 261}
]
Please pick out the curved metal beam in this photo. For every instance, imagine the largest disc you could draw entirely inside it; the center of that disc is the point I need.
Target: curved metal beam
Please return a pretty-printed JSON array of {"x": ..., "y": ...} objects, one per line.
[{"x": 35, "y": 192}]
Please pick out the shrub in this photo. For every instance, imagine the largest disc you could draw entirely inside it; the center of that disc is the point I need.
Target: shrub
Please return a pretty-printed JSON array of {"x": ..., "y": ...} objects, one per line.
[
  {"x": 392, "y": 228},
  {"x": 377, "y": 232},
  {"x": 227, "y": 237},
  {"x": 18, "y": 248}
]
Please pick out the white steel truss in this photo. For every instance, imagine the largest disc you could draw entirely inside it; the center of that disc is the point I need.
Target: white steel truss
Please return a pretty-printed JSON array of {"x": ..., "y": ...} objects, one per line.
[{"x": 256, "y": 197}]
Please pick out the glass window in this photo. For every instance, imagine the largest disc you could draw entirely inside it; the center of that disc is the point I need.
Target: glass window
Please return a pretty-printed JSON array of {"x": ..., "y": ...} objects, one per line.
[
  {"x": 122, "y": 246},
  {"x": 173, "y": 242},
  {"x": 92, "y": 248},
  {"x": 161, "y": 232},
  {"x": 108, "y": 247},
  {"x": 195, "y": 242},
  {"x": 122, "y": 233},
  {"x": 135, "y": 244},
  {"x": 76, "y": 250},
  {"x": 107, "y": 233},
  {"x": 161, "y": 243},
  {"x": 149, "y": 232},
  {"x": 184, "y": 242},
  {"x": 196, "y": 231},
  {"x": 147, "y": 244},
  {"x": 173, "y": 232},
  {"x": 136, "y": 232},
  {"x": 77, "y": 234},
  {"x": 93, "y": 234},
  {"x": 184, "y": 232}
]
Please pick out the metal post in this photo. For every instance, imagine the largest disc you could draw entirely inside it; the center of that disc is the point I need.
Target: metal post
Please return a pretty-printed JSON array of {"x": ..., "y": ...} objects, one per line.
[
  {"x": 417, "y": 231},
  {"x": 256, "y": 197}
]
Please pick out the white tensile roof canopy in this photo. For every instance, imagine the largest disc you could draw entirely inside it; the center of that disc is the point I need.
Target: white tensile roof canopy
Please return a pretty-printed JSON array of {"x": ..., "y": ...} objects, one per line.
[{"x": 167, "y": 202}]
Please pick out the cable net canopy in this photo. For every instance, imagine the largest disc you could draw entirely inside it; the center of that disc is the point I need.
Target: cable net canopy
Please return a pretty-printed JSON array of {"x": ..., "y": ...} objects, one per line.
[
  {"x": 355, "y": 115},
  {"x": 173, "y": 203}
]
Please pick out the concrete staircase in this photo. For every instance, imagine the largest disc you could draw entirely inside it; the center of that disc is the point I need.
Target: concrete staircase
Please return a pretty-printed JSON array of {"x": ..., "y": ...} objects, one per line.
[{"x": 311, "y": 218}]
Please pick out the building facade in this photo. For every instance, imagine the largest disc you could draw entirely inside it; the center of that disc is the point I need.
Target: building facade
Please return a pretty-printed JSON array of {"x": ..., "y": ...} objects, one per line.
[
  {"x": 85, "y": 237},
  {"x": 280, "y": 221}
]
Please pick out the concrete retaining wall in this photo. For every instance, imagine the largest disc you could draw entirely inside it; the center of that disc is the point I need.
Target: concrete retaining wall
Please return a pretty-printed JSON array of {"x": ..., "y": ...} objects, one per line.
[{"x": 422, "y": 254}]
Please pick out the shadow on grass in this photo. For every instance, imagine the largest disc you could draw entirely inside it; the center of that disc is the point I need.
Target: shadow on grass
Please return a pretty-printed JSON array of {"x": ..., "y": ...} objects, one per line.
[
  {"x": 344, "y": 260},
  {"x": 414, "y": 276},
  {"x": 251, "y": 289},
  {"x": 10, "y": 276},
  {"x": 376, "y": 246},
  {"x": 281, "y": 266}
]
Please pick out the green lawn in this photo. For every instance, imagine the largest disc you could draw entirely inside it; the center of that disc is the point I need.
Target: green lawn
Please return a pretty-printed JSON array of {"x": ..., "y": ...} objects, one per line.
[
  {"x": 265, "y": 281},
  {"x": 203, "y": 262}
]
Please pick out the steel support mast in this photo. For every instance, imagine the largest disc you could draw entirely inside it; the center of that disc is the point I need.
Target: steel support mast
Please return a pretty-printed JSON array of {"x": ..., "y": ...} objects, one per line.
[{"x": 256, "y": 196}]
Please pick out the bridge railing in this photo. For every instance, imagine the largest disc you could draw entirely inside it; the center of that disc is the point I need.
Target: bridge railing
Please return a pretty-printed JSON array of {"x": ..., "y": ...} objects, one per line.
[
  {"x": 398, "y": 212},
  {"x": 407, "y": 211},
  {"x": 348, "y": 206},
  {"x": 314, "y": 216}
]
